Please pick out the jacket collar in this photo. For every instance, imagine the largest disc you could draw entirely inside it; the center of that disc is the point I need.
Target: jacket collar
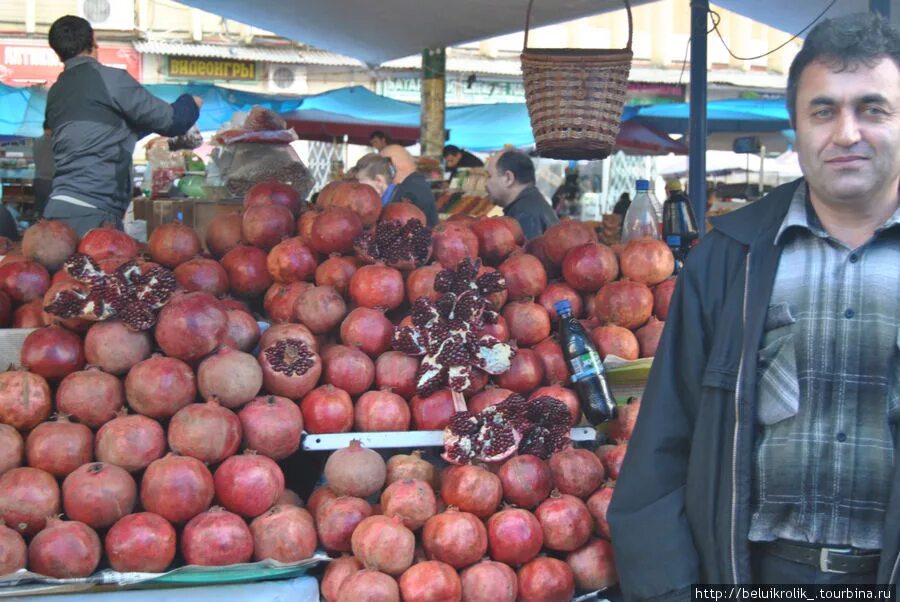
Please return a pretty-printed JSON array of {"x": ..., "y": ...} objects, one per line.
[
  {"x": 757, "y": 219},
  {"x": 78, "y": 60}
]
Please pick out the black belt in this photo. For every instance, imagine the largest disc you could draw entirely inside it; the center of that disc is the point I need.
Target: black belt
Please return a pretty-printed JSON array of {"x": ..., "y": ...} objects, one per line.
[{"x": 827, "y": 560}]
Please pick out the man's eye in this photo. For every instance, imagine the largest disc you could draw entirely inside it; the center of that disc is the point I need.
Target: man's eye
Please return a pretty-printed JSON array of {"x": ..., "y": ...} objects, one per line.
[
  {"x": 874, "y": 110},
  {"x": 823, "y": 113}
]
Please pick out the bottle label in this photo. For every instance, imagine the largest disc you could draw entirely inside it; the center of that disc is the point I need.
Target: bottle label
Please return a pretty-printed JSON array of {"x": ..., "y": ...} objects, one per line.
[
  {"x": 673, "y": 240},
  {"x": 586, "y": 365}
]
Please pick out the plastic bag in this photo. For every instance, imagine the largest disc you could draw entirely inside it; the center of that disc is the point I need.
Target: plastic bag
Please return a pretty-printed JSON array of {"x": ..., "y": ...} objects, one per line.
[
  {"x": 239, "y": 166},
  {"x": 163, "y": 168},
  {"x": 260, "y": 125}
]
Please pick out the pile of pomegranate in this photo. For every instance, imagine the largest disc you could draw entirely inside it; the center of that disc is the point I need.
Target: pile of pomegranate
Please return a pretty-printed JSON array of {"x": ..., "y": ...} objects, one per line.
[{"x": 151, "y": 413}]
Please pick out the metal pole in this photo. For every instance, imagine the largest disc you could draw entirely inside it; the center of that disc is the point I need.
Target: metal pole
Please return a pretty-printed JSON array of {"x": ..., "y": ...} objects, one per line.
[
  {"x": 882, "y": 7},
  {"x": 432, "y": 136},
  {"x": 697, "y": 133}
]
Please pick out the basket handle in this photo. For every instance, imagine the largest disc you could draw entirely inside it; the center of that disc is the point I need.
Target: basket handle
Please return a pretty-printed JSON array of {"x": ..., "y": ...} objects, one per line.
[{"x": 627, "y": 10}]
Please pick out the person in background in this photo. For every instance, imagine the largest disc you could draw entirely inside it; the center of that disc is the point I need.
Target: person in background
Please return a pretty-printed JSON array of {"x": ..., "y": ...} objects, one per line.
[
  {"x": 44, "y": 167},
  {"x": 411, "y": 185},
  {"x": 567, "y": 196},
  {"x": 97, "y": 114},
  {"x": 622, "y": 205},
  {"x": 766, "y": 446},
  {"x": 377, "y": 172},
  {"x": 378, "y": 140},
  {"x": 511, "y": 186},
  {"x": 455, "y": 157}
]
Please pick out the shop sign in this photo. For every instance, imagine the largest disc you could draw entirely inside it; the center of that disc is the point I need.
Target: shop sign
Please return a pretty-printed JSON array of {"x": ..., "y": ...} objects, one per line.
[
  {"x": 26, "y": 62},
  {"x": 199, "y": 68},
  {"x": 646, "y": 94},
  {"x": 459, "y": 91}
]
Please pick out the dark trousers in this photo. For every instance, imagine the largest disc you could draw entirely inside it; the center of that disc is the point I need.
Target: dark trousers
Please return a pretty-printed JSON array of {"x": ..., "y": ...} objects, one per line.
[
  {"x": 772, "y": 570},
  {"x": 81, "y": 218}
]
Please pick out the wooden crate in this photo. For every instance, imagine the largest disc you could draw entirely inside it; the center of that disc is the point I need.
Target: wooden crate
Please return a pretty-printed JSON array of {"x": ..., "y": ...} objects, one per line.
[
  {"x": 207, "y": 210},
  {"x": 196, "y": 213}
]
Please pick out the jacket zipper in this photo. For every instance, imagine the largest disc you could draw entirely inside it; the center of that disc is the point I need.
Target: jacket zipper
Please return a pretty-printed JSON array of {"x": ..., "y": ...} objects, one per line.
[
  {"x": 893, "y": 578},
  {"x": 734, "y": 451}
]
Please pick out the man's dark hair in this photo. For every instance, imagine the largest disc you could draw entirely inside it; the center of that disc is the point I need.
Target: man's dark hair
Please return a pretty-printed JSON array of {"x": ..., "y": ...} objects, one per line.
[
  {"x": 844, "y": 42},
  {"x": 519, "y": 164},
  {"x": 70, "y": 36},
  {"x": 377, "y": 134},
  {"x": 451, "y": 149}
]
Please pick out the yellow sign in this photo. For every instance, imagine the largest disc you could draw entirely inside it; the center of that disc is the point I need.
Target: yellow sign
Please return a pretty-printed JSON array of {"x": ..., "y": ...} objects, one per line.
[{"x": 211, "y": 68}]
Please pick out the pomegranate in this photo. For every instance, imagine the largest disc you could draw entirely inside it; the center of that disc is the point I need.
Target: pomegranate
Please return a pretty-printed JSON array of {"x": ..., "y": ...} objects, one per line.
[
  {"x": 264, "y": 226},
  {"x": 337, "y": 572},
  {"x": 362, "y": 199},
  {"x": 402, "y": 212},
  {"x": 355, "y": 471},
  {"x": 489, "y": 581},
  {"x": 615, "y": 340},
  {"x": 472, "y": 489},
  {"x": 431, "y": 581},
  {"x": 516, "y": 228},
  {"x": 349, "y": 369},
  {"x": 206, "y": 431},
  {"x": 241, "y": 330},
  {"x": 432, "y": 413},
  {"x": 594, "y": 566},
  {"x": 590, "y": 266},
  {"x": 29, "y": 315},
  {"x": 284, "y": 533},
  {"x": 563, "y": 394},
  {"x": 231, "y": 377},
  {"x": 648, "y": 261},
  {"x": 248, "y": 273},
  {"x": 537, "y": 247},
  {"x": 621, "y": 427},
  {"x": 529, "y": 323},
  {"x": 377, "y": 411},
  {"x": 98, "y": 494},
  {"x": 556, "y": 369},
  {"x": 290, "y": 368},
  {"x": 143, "y": 542},
  {"x": 177, "y": 488},
  {"x": 52, "y": 352},
  {"x": 612, "y": 458},
  {"x": 191, "y": 326},
  {"x": 396, "y": 371},
  {"x": 457, "y": 538},
  {"x": 24, "y": 281},
  {"x": 265, "y": 193},
  {"x": 491, "y": 396},
  {"x": 248, "y": 484},
  {"x": 454, "y": 242},
  {"x": 49, "y": 243},
  {"x": 598, "y": 505},
  {"x": 560, "y": 238},
  {"x": 6, "y": 310},
  {"x": 76, "y": 324},
  {"x": 25, "y": 399},
  {"x": 318, "y": 497},
  {"x": 499, "y": 330},
  {"x": 173, "y": 244},
  {"x": 648, "y": 336},
  {"x": 216, "y": 537},
  {"x": 272, "y": 426},
  {"x": 336, "y": 520},
  {"x": 496, "y": 240},
  {"x": 368, "y": 330},
  {"x": 289, "y": 498},
  {"x": 327, "y": 409},
  {"x": 291, "y": 260},
  {"x": 624, "y": 303},
  {"x": 279, "y": 300},
  {"x": 514, "y": 536},
  {"x": 369, "y": 586},
  {"x": 525, "y": 276},
  {"x": 546, "y": 580},
  {"x": 412, "y": 500},
  {"x": 334, "y": 230},
  {"x": 320, "y": 308},
  {"x": 115, "y": 348},
  {"x": 382, "y": 543},
  {"x": 576, "y": 472},
  {"x": 559, "y": 291},
  {"x": 132, "y": 442},
  {"x": 27, "y": 497},
  {"x": 336, "y": 272},
  {"x": 160, "y": 386},
  {"x": 12, "y": 448},
  {"x": 402, "y": 467},
  {"x": 526, "y": 480},
  {"x": 566, "y": 522},
  {"x": 281, "y": 332},
  {"x": 59, "y": 447},
  {"x": 662, "y": 296},
  {"x": 64, "y": 550},
  {"x": 223, "y": 233},
  {"x": 525, "y": 373},
  {"x": 13, "y": 551},
  {"x": 203, "y": 275},
  {"x": 305, "y": 223},
  {"x": 92, "y": 396},
  {"x": 106, "y": 242},
  {"x": 377, "y": 286}
]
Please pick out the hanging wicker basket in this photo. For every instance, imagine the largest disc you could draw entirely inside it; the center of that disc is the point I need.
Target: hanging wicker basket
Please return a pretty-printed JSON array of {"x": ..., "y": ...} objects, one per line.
[{"x": 575, "y": 97}]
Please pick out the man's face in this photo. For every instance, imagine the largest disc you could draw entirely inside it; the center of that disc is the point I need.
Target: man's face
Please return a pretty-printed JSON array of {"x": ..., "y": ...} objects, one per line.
[
  {"x": 848, "y": 131},
  {"x": 377, "y": 142},
  {"x": 498, "y": 184},
  {"x": 452, "y": 160}
]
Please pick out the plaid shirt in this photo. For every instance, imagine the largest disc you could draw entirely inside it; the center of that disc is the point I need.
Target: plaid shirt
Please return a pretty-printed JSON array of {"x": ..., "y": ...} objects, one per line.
[{"x": 829, "y": 386}]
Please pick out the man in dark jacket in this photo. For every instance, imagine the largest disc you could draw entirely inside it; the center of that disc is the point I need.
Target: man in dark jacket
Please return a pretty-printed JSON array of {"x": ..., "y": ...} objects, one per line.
[
  {"x": 764, "y": 450},
  {"x": 410, "y": 184},
  {"x": 511, "y": 186},
  {"x": 97, "y": 114}
]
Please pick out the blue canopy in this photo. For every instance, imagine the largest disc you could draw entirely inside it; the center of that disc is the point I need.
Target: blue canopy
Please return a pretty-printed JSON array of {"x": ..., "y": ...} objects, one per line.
[{"x": 732, "y": 115}]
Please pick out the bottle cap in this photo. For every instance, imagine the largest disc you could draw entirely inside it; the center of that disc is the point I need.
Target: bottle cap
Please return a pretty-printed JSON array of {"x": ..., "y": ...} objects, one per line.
[
  {"x": 642, "y": 185},
  {"x": 674, "y": 186},
  {"x": 562, "y": 305}
]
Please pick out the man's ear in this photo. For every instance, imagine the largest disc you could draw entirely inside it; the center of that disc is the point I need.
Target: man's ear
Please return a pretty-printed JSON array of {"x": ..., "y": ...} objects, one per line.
[{"x": 509, "y": 178}]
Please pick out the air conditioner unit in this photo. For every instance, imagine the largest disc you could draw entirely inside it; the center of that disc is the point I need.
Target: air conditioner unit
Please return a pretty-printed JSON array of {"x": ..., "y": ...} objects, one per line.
[
  {"x": 108, "y": 14},
  {"x": 287, "y": 79}
]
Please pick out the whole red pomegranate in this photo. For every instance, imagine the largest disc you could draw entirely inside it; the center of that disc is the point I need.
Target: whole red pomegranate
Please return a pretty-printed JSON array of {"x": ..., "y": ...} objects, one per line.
[
  {"x": 489, "y": 581},
  {"x": 284, "y": 533},
  {"x": 291, "y": 260},
  {"x": 525, "y": 276},
  {"x": 24, "y": 281},
  {"x": 556, "y": 368},
  {"x": 13, "y": 552},
  {"x": 594, "y": 566},
  {"x": 25, "y": 399},
  {"x": 203, "y": 275},
  {"x": 241, "y": 330},
  {"x": 412, "y": 467},
  {"x": 525, "y": 374},
  {"x": 64, "y": 550},
  {"x": 514, "y": 536},
  {"x": 177, "y": 488},
  {"x": 402, "y": 212},
  {"x": 334, "y": 231},
  {"x": 648, "y": 336},
  {"x": 216, "y": 537},
  {"x": 526, "y": 480},
  {"x": 337, "y": 519},
  {"x": 28, "y": 315},
  {"x": 49, "y": 243},
  {"x": 264, "y": 226},
  {"x": 12, "y": 448},
  {"x": 432, "y": 413},
  {"x": 348, "y": 368},
  {"x": 560, "y": 238},
  {"x": 355, "y": 471},
  {"x": 590, "y": 266},
  {"x": 290, "y": 368},
  {"x": 499, "y": 330},
  {"x": 231, "y": 377},
  {"x": 318, "y": 497},
  {"x": 52, "y": 352},
  {"x": 566, "y": 522},
  {"x": 662, "y": 296},
  {"x": 529, "y": 323},
  {"x": 598, "y": 505},
  {"x": 454, "y": 242},
  {"x": 143, "y": 542},
  {"x": 92, "y": 396},
  {"x": 648, "y": 261},
  {"x": 621, "y": 427},
  {"x": 472, "y": 489},
  {"x": 576, "y": 472},
  {"x": 338, "y": 571},
  {"x": 457, "y": 538},
  {"x": 559, "y": 291},
  {"x": 98, "y": 494},
  {"x": 132, "y": 442},
  {"x": 160, "y": 386},
  {"x": 545, "y": 579},
  {"x": 369, "y": 585},
  {"x": 279, "y": 300},
  {"x": 248, "y": 484},
  {"x": 206, "y": 431},
  {"x": 378, "y": 411},
  {"x": 173, "y": 244},
  {"x": 382, "y": 543},
  {"x": 615, "y": 340},
  {"x": 538, "y": 247},
  {"x": 327, "y": 409},
  {"x": 27, "y": 497},
  {"x": 624, "y": 303},
  {"x": 272, "y": 426},
  {"x": 248, "y": 272},
  {"x": 223, "y": 233},
  {"x": 305, "y": 223},
  {"x": 191, "y": 326},
  {"x": 320, "y": 308},
  {"x": 492, "y": 395},
  {"x": 430, "y": 580},
  {"x": 362, "y": 199},
  {"x": 59, "y": 447},
  {"x": 496, "y": 240},
  {"x": 368, "y": 330},
  {"x": 273, "y": 192},
  {"x": 106, "y": 242},
  {"x": 336, "y": 271},
  {"x": 612, "y": 457},
  {"x": 412, "y": 500},
  {"x": 396, "y": 371},
  {"x": 377, "y": 286},
  {"x": 115, "y": 348}
]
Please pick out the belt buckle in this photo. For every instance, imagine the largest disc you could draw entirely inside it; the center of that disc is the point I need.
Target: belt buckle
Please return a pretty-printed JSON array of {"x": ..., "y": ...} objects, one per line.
[{"x": 824, "y": 559}]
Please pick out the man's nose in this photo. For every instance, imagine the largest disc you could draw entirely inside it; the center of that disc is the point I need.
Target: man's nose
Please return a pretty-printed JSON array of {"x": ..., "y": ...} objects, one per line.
[{"x": 846, "y": 131}]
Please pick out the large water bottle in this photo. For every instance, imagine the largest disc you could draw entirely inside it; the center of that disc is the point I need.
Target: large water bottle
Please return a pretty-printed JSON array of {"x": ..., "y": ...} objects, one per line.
[{"x": 644, "y": 218}]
